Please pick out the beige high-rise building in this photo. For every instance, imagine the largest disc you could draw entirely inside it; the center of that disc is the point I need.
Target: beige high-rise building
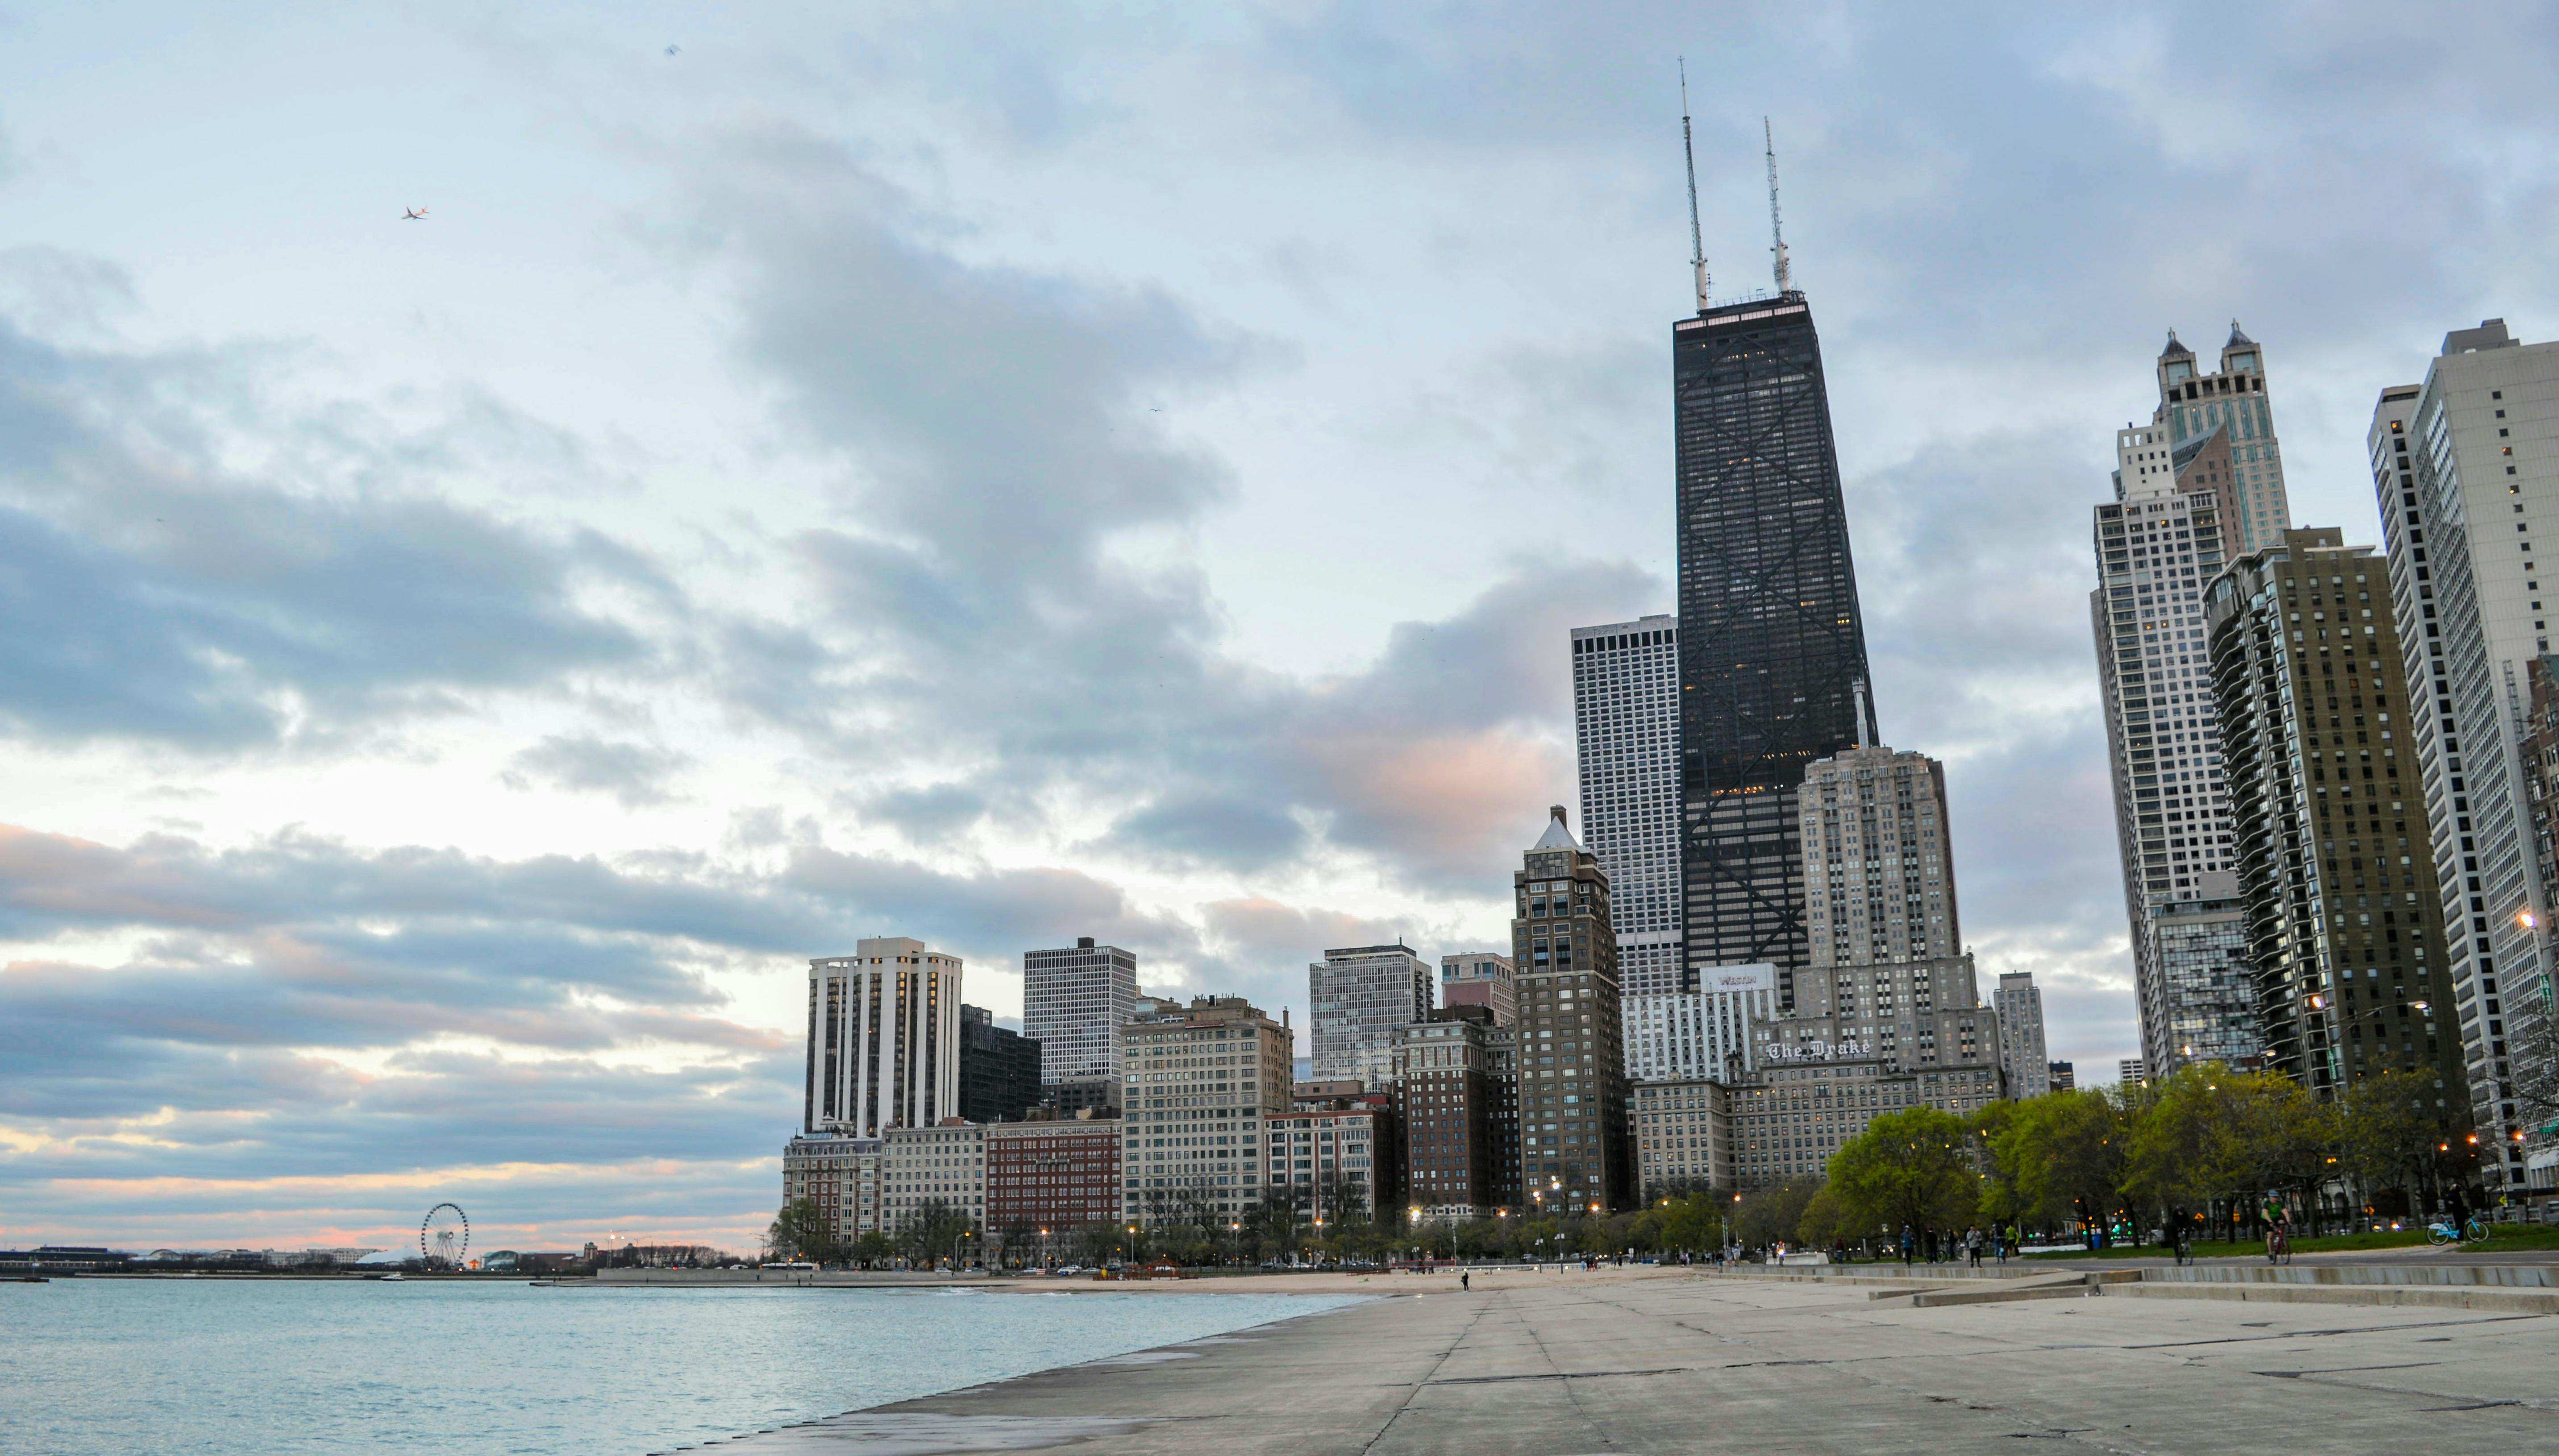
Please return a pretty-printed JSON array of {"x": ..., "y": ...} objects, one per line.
[
  {"x": 1878, "y": 880},
  {"x": 1201, "y": 1080},
  {"x": 2020, "y": 1004},
  {"x": 2200, "y": 485}
]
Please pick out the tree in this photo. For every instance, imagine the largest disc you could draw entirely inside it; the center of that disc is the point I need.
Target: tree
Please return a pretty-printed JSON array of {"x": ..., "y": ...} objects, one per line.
[
  {"x": 2387, "y": 1130},
  {"x": 874, "y": 1249},
  {"x": 802, "y": 1230},
  {"x": 1824, "y": 1219},
  {"x": 1767, "y": 1216},
  {"x": 1909, "y": 1169},
  {"x": 2209, "y": 1133},
  {"x": 932, "y": 1231},
  {"x": 2056, "y": 1159}
]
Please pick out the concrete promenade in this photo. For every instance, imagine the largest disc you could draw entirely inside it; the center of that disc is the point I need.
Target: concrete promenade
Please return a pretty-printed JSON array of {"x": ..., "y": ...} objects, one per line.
[{"x": 1669, "y": 1361}]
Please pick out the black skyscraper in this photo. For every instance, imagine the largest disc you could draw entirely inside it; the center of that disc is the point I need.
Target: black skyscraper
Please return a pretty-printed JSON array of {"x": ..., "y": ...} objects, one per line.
[
  {"x": 1772, "y": 647},
  {"x": 999, "y": 1068}
]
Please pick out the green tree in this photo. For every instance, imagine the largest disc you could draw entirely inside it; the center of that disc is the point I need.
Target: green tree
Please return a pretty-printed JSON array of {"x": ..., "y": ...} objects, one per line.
[
  {"x": 2055, "y": 1159},
  {"x": 802, "y": 1230},
  {"x": 2387, "y": 1129},
  {"x": 1767, "y": 1216},
  {"x": 874, "y": 1249},
  {"x": 1824, "y": 1219},
  {"x": 1913, "y": 1168}
]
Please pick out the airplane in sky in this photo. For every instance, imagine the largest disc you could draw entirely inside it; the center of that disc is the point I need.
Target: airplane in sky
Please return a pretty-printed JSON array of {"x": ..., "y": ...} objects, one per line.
[{"x": 413, "y": 215}]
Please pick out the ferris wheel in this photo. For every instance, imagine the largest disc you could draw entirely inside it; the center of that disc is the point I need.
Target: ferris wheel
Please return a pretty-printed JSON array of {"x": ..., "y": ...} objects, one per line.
[{"x": 445, "y": 1236}]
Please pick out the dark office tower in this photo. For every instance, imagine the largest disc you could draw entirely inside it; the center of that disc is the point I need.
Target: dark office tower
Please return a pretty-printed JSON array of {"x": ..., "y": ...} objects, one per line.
[
  {"x": 1771, "y": 644},
  {"x": 999, "y": 1068}
]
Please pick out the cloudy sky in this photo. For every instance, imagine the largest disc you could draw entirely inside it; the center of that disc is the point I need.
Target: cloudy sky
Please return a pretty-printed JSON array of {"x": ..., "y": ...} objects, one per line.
[{"x": 1002, "y": 474}]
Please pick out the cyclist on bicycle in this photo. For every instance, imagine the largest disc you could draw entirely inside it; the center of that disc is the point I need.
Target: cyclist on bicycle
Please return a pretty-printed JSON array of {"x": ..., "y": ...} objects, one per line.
[{"x": 2279, "y": 1227}]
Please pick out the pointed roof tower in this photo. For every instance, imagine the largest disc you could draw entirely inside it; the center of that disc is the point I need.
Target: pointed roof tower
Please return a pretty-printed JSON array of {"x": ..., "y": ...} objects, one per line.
[
  {"x": 2176, "y": 349},
  {"x": 2238, "y": 340},
  {"x": 1556, "y": 837}
]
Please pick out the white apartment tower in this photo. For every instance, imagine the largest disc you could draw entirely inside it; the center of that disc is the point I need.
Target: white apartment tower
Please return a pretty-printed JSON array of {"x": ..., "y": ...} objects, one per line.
[
  {"x": 2020, "y": 1004},
  {"x": 1075, "y": 1001},
  {"x": 1356, "y": 998},
  {"x": 1701, "y": 1035},
  {"x": 2466, "y": 467},
  {"x": 883, "y": 1038},
  {"x": 1879, "y": 867},
  {"x": 2200, "y": 485},
  {"x": 1625, "y": 720}
]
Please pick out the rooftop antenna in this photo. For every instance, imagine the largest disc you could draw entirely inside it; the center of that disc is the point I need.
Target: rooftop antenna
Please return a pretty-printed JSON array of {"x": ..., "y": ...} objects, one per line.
[
  {"x": 1688, "y": 149},
  {"x": 1777, "y": 230},
  {"x": 1865, "y": 712}
]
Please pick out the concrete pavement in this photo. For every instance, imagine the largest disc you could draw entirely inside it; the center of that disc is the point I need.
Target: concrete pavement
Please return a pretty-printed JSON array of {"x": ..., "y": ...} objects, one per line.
[{"x": 1686, "y": 1362}]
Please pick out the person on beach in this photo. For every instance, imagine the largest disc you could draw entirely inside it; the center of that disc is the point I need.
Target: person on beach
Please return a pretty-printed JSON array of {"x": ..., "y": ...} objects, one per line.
[{"x": 1465, "y": 1280}]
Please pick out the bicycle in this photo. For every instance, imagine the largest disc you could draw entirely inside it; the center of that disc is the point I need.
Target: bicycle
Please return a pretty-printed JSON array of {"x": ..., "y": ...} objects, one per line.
[
  {"x": 2278, "y": 1245},
  {"x": 2185, "y": 1247},
  {"x": 2472, "y": 1230}
]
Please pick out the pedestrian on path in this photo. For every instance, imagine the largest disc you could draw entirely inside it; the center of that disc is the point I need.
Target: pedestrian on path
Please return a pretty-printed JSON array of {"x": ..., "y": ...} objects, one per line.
[
  {"x": 1973, "y": 1244},
  {"x": 1465, "y": 1280},
  {"x": 1909, "y": 1244}
]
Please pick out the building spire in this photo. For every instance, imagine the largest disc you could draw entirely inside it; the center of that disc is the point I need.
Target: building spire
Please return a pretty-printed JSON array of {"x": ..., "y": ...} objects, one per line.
[
  {"x": 1688, "y": 149},
  {"x": 1776, "y": 228}
]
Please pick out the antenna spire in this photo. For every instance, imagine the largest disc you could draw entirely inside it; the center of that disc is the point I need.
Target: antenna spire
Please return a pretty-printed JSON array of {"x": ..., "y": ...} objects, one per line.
[
  {"x": 1688, "y": 149},
  {"x": 1776, "y": 228}
]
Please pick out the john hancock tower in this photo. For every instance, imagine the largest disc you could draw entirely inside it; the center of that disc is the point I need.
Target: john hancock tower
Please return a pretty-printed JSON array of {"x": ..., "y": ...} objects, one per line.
[{"x": 1771, "y": 643}]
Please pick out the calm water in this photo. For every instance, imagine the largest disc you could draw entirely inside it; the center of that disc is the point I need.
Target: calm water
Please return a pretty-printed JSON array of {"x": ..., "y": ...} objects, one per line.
[{"x": 125, "y": 1368}]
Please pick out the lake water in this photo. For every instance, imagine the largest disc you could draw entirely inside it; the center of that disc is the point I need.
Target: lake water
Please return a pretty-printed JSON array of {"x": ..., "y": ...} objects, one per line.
[{"x": 145, "y": 1368}]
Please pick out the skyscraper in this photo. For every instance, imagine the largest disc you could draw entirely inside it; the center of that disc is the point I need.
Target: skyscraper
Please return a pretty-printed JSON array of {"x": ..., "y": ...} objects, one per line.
[
  {"x": 2344, "y": 925},
  {"x": 1075, "y": 1002},
  {"x": 1880, "y": 871},
  {"x": 1575, "y": 1140},
  {"x": 1772, "y": 643},
  {"x": 883, "y": 1038},
  {"x": 1625, "y": 724},
  {"x": 2468, "y": 479},
  {"x": 2193, "y": 488},
  {"x": 2020, "y": 1004},
  {"x": 1356, "y": 998}
]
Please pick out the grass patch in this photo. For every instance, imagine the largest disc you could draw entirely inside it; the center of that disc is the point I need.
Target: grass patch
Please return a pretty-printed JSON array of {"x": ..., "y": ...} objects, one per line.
[{"x": 2501, "y": 1238}]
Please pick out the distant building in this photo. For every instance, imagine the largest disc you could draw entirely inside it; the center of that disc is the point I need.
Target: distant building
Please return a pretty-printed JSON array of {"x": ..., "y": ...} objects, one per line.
[
  {"x": 2021, "y": 1015},
  {"x": 1914, "y": 1014},
  {"x": 883, "y": 1038},
  {"x": 999, "y": 1068},
  {"x": 2198, "y": 485},
  {"x": 1451, "y": 1111},
  {"x": 2468, "y": 481},
  {"x": 1625, "y": 726},
  {"x": 1790, "y": 1117},
  {"x": 1699, "y": 1034},
  {"x": 1684, "y": 1135},
  {"x": 842, "y": 1176},
  {"x": 1340, "y": 1159},
  {"x": 2059, "y": 1076},
  {"x": 1575, "y": 1137},
  {"x": 1356, "y": 998},
  {"x": 1479, "y": 979},
  {"x": 1048, "y": 1178},
  {"x": 923, "y": 1166},
  {"x": 1075, "y": 1002},
  {"x": 1878, "y": 868},
  {"x": 1201, "y": 1082},
  {"x": 2340, "y": 996},
  {"x": 2132, "y": 1071}
]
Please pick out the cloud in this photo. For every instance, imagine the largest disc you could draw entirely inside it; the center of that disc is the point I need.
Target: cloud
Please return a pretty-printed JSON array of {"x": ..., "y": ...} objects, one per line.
[
  {"x": 635, "y": 774},
  {"x": 160, "y": 592}
]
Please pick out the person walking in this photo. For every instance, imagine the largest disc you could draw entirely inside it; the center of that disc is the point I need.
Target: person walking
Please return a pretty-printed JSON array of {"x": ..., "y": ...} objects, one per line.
[
  {"x": 1465, "y": 1279},
  {"x": 1973, "y": 1244},
  {"x": 1909, "y": 1244}
]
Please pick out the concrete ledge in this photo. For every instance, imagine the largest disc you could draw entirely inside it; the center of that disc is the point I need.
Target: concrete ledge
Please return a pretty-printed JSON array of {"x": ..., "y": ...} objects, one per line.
[
  {"x": 2503, "y": 1301},
  {"x": 2498, "y": 1277}
]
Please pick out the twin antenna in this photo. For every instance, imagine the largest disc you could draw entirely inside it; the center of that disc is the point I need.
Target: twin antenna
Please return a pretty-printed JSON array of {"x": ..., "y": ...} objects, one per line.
[
  {"x": 1784, "y": 274},
  {"x": 1688, "y": 148}
]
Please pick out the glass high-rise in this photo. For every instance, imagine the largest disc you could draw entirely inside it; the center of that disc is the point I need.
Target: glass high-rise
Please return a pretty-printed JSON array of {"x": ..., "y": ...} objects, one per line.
[{"x": 1772, "y": 643}]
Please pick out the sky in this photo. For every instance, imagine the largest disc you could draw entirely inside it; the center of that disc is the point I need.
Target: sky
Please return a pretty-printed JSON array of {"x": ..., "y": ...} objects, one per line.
[{"x": 998, "y": 474}]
